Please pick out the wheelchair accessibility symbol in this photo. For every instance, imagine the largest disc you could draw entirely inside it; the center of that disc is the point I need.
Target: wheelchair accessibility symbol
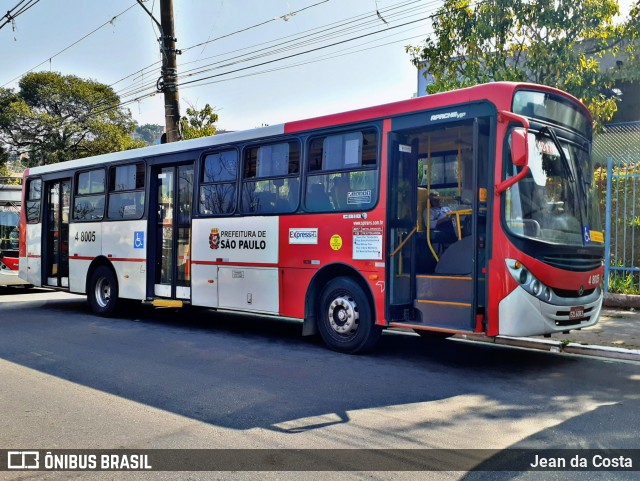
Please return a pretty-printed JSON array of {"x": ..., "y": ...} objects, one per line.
[
  {"x": 586, "y": 234},
  {"x": 138, "y": 240}
]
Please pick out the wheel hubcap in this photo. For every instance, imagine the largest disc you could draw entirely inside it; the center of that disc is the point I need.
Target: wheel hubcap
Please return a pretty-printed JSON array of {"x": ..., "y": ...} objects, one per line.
[
  {"x": 103, "y": 292},
  {"x": 343, "y": 315}
]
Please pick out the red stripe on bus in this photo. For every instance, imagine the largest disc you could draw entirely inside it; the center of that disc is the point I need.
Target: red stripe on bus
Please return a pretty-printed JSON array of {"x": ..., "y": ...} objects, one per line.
[{"x": 230, "y": 263}]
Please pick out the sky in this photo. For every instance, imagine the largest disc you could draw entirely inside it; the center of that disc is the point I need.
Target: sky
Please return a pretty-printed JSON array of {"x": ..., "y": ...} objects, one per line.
[{"x": 115, "y": 43}]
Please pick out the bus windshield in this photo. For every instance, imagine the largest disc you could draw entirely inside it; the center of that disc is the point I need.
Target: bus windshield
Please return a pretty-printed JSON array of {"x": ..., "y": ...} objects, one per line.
[{"x": 556, "y": 202}]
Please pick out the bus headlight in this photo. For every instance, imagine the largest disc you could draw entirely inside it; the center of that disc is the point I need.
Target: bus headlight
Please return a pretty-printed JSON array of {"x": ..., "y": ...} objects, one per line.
[
  {"x": 523, "y": 276},
  {"x": 535, "y": 287},
  {"x": 528, "y": 281}
]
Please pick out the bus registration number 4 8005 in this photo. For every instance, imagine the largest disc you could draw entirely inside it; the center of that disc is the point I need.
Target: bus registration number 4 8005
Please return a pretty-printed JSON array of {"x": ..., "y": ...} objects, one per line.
[{"x": 576, "y": 312}]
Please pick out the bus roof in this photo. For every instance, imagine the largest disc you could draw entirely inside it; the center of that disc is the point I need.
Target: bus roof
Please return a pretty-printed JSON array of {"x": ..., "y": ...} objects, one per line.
[{"x": 499, "y": 93}]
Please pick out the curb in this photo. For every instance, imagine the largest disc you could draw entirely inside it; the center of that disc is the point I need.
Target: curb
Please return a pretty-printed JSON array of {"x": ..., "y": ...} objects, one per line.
[
  {"x": 557, "y": 346},
  {"x": 621, "y": 301}
]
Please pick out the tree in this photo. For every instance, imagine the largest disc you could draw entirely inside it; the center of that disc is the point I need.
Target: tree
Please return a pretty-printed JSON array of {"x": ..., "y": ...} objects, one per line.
[
  {"x": 4, "y": 159},
  {"x": 150, "y": 133},
  {"x": 54, "y": 117},
  {"x": 198, "y": 123},
  {"x": 560, "y": 43}
]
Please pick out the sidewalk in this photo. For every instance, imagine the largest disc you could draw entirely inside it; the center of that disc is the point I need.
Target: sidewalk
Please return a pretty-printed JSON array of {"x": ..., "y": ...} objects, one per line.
[{"x": 617, "y": 336}]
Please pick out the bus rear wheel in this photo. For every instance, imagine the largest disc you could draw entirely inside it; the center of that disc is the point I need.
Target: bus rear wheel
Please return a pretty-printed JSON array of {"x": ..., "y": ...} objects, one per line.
[
  {"x": 103, "y": 292},
  {"x": 344, "y": 317}
]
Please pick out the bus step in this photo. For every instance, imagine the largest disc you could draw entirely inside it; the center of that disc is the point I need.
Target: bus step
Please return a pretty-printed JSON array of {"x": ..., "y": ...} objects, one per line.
[
  {"x": 445, "y": 288},
  {"x": 444, "y": 314},
  {"x": 167, "y": 303}
]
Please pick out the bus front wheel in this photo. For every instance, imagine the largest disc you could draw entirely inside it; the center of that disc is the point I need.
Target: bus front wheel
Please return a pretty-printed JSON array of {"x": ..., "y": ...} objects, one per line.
[
  {"x": 344, "y": 317},
  {"x": 103, "y": 292}
]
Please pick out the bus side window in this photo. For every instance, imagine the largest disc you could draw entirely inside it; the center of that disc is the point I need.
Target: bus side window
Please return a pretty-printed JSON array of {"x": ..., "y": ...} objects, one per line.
[
  {"x": 271, "y": 179},
  {"x": 218, "y": 183},
  {"x": 126, "y": 192},
  {"x": 33, "y": 201},
  {"x": 88, "y": 204},
  {"x": 347, "y": 164}
]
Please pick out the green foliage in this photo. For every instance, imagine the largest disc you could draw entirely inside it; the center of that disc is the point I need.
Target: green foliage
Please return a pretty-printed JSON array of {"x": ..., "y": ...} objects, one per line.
[
  {"x": 54, "y": 117},
  {"x": 4, "y": 170},
  {"x": 198, "y": 123},
  {"x": 4, "y": 158},
  {"x": 624, "y": 284},
  {"x": 149, "y": 133},
  {"x": 560, "y": 43}
]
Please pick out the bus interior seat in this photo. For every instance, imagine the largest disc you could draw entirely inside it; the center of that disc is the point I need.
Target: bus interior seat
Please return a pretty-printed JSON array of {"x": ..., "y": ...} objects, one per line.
[{"x": 457, "y": 259}]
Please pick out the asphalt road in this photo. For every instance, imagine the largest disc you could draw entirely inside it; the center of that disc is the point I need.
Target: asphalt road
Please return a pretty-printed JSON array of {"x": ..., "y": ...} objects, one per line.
[{"x": 162, "y": 378}]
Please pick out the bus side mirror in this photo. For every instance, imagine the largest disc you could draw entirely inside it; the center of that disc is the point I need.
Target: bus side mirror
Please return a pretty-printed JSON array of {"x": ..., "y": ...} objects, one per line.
[
  {"x": 519, "y": 158},
  {"x": 519, "y": 147}
]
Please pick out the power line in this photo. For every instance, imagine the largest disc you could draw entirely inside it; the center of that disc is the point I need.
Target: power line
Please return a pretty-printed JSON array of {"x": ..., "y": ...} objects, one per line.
[
  {"x": 135, "y": 89},
  {"x": 12, "y": 14},
  {"x": 307, "y": 62},
  {"x": 142, "y": 91},
  {"x": 302, "y": 53},
  {"x": 287, "y": 16},
  {"x": 227, "y": 35},
  {"x": 73, "y": 44},
  {"x": 325, "y": 33},
  {"x": 343, "y": 27},
  {"x": 139, "y": 93}
]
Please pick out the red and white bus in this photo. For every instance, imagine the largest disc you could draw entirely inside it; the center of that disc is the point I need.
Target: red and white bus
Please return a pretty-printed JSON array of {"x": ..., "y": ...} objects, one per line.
[
  {"x": 9, "y": 219},
  {"x": 321, "y": 220}
]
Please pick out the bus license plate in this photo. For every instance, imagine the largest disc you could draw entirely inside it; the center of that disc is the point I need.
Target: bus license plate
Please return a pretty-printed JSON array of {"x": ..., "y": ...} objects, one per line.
[{"x": 576, "y": 312}]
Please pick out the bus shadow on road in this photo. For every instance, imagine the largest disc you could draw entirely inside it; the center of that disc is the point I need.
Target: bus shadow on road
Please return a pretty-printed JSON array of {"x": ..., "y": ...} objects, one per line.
[
  {"x": 243, "y": 372},
  {"x": 21, "y": 290}
]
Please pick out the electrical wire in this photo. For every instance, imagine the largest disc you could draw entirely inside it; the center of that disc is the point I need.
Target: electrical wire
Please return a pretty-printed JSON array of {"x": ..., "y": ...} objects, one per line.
[
  {"x": 288, "y": 15},
  {"x": 72, "y": 45},
  {"x": 302, "y": 53},
  {"x": 16, "y": 11},
  {"x": 132, "y": 94},
  {"x": 332, "y": 30}
]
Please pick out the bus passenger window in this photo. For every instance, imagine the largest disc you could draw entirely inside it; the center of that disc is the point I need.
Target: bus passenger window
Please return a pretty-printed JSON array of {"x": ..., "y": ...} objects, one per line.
[
  {"x": 33, "y": 201},
  {"x": 218, "y": 183},
  {"x": 126, "y": 192},
  {"x": 271, "y": 181},
  {"x": 88, "y": 202},
  {"x": 342, "y": 172}
]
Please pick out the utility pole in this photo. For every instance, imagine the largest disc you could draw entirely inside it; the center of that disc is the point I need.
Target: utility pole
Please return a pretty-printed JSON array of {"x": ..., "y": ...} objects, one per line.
[
  {"x": 168, "y": 82},
  {"x": 169, "y": 72}
]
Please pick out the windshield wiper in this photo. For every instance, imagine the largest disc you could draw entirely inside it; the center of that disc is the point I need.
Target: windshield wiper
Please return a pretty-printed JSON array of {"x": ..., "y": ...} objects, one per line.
[{"x": 563, "y": 157}]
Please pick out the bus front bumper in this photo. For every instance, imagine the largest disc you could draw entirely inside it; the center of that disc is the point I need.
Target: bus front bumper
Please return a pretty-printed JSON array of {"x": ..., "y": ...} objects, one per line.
[{"x": 522, "y": 314}]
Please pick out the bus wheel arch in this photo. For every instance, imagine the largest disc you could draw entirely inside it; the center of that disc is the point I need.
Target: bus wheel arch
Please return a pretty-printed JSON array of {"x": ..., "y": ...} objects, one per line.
[
  {"x": 102, "y": 287},
  {"x": 340, "y": 306}
]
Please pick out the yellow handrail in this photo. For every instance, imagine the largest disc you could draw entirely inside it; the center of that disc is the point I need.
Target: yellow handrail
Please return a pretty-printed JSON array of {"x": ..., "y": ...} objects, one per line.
[{"x": 404, "y": 242}]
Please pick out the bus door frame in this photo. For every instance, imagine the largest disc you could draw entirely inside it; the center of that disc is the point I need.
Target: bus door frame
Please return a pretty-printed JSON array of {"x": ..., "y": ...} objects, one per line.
[
  {"x": 175, "y": 289},
  {"x": 62, "y": 234},
  {"x": 447, "y": 116}
]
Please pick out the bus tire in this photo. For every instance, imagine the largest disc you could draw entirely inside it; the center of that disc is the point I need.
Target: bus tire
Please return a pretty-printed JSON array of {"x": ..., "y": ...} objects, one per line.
[
  {"x": 344, "y": 317},
  {"x": 103, "y": 292}
]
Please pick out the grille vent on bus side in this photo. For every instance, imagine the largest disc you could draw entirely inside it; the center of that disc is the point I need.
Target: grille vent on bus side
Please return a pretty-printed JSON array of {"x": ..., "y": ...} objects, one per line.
[{"x": 574, "y": 262}]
